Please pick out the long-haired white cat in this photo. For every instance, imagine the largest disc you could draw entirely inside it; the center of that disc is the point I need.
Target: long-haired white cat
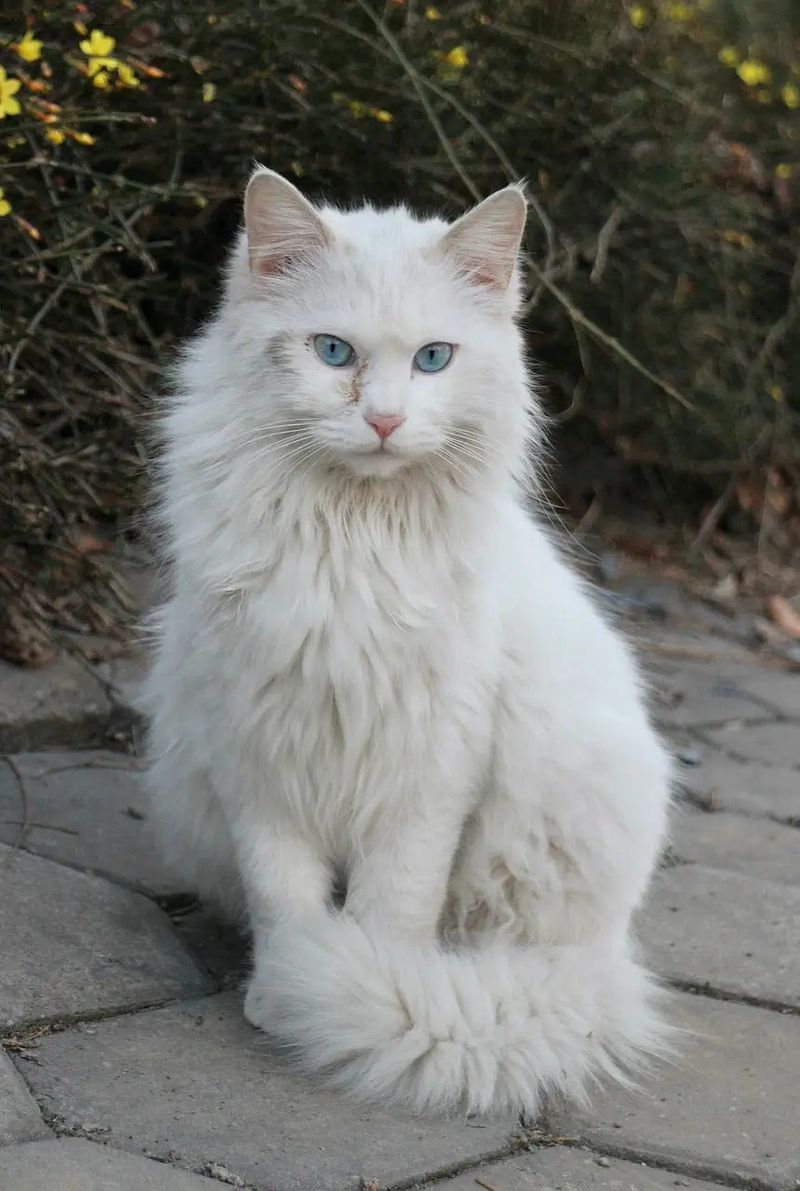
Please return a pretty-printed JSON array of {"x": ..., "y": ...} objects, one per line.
[{"x": 376, "y": 673}]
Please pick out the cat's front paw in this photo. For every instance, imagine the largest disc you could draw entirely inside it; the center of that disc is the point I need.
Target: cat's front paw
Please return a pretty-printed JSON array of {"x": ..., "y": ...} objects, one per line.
[{"x": 257, "y": 1009}]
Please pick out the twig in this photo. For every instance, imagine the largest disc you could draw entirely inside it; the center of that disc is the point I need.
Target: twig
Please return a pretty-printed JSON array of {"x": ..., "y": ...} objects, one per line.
[
  {"x": 669, "y": 649},
  {"x": 691, "y": 467},
  {"x": 779, "y": 330},
  {"x": 712, "y": 517},
  {"x": 610, "y": 342},
  {"x": 589, "y": 518},
  {"x": 512, "y": 173},
  {"x": 416, "y": 83},
  {"x": 604, "y": 239}
]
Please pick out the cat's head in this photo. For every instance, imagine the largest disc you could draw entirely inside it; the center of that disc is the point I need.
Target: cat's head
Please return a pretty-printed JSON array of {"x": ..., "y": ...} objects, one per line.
[{"x": 380, "y": 341}]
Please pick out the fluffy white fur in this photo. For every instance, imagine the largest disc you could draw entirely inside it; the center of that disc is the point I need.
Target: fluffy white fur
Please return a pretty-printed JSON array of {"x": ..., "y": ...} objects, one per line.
[{"x": 375, "y": 670}]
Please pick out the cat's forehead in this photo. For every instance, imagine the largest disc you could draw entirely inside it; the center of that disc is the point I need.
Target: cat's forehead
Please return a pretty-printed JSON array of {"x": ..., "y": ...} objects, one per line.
[
  {"x": 386, "y": 272},
  {"x": 383, "y": 231}
]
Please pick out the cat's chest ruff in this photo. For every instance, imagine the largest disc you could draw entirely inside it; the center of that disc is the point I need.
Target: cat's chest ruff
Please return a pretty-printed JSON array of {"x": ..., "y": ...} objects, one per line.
[
  {"x": 334, "y": 602},
  {"x": 378, "y": 577}
]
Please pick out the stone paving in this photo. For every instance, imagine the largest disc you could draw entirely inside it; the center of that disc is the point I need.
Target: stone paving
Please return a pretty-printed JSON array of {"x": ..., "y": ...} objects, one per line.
[{"x": 127, "y": 1064}]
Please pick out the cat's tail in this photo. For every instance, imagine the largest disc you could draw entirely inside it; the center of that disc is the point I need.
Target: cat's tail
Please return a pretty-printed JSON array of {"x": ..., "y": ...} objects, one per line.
[{"x": 482, "y": 1030}]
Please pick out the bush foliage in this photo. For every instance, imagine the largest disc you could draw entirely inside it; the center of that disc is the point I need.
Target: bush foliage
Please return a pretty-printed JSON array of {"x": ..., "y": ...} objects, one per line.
[{"x": 661, "y": 141}]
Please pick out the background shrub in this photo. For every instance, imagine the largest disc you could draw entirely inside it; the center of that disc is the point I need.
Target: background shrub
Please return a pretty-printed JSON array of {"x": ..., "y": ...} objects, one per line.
[{"x": 661, "y": 141}]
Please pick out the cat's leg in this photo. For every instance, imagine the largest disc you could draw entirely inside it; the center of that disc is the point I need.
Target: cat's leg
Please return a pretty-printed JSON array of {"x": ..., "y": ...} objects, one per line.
[
  {"x": 284, "y": 874},
  {"x": 399, "y": 882},
  {"x": 287, "y": 885},
  {"x": 235, "y": 854},
  {"x": 564, "y": 839}
]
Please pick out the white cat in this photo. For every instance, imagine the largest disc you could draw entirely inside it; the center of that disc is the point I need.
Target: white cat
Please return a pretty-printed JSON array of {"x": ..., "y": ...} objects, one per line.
[{"x": 375, "y": 672}]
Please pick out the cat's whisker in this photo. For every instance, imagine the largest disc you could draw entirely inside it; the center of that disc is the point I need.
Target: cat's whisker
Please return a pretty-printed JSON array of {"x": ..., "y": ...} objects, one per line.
[
  {"x": 470, "y": 450},
  {"x": 475, "y": 442},
  {"x": 287, "y": 432},
  {"x": 283, "y": 449},
  {"x": 312, "y": 453},
  {"x": 321, "y": 457},
  {"x": 454, "y": 462}
]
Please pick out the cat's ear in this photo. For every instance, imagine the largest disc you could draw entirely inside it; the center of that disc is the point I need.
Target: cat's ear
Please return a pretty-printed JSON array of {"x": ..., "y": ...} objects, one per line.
[
  {"x": 282, "y": 226},
  {"x": 484, "y": 243}
]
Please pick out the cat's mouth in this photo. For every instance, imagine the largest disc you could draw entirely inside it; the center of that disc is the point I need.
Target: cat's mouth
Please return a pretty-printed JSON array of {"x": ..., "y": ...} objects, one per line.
[
  {"x": 380, "y": 450},
  {"x": 383, "y": 459}
]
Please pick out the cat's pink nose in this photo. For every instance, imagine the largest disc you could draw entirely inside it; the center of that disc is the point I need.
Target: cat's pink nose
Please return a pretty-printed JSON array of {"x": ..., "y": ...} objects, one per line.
[{"x": 384, "y": 424}]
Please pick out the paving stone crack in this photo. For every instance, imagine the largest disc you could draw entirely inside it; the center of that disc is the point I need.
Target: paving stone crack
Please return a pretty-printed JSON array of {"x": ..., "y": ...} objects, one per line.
[
  {"x": 61, "y": 1023},
  {"x": 699, "y": 989},
  {"x": 696, "y": 1170}
]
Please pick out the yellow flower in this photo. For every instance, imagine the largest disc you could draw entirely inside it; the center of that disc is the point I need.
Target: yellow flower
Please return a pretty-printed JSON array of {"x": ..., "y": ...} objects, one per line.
[
  {"x": 752, "y": 72},
  {"x": 382, "y": 115},
  {"x": 152, "y": 72},
  {"x": 101, "y": 79},
  {"x": 680, "y": 12},
  {"x": 9, "y": 106},
  {"x": 638, "y": 16},
  {"x": 54, "y": 135},
  {"x": 783, "y": 170},
  {"x": 5, "y": 205},
  {"x": 728, "y": 55},
  {"x": 432, "y": 13},
  {"x": 97, "y": 44},
  {"x": 775, "y": 392},
  {"x": 740, "y": 239},
  {"x": 357, "y": 108},
  {"x": 127, "y": 76},
  {"x": 95, "y": 65},
  {"x": 28, "y": 48},
  {"x": 457, "y": 57},
  {"x": 209, "y": 92},
  {"x": 28, "y": 228},
  {"x": 790, "y": 94},
  {"x": 83, "y": 138}
]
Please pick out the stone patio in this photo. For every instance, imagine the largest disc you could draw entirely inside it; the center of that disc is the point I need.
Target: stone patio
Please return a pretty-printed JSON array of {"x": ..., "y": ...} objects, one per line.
[{"x": 127, "y": 1062}]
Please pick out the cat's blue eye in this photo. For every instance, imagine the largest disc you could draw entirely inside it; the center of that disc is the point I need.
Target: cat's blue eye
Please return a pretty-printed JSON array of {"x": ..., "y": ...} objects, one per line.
[
  {"x": 333, "y": 350},
  {"x": 433, "y": 357}
]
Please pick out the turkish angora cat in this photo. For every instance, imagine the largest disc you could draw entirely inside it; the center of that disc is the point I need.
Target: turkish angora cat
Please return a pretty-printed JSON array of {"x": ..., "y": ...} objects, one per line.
[{"x": 376, "y": 669}]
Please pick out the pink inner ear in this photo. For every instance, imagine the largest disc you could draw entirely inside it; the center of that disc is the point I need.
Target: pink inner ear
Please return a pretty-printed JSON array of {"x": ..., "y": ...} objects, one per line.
[
  {"x": 481, "y": 272},
  {"x": 271, "y": 264},
  {"x": 282, "y": 227},
  {"x": 486, "y": 240},
  {"x": 484, "y": 276}
]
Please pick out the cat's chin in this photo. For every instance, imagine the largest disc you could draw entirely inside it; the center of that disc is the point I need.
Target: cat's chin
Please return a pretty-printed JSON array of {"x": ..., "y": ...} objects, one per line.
[{"x": 378, "y": 464}]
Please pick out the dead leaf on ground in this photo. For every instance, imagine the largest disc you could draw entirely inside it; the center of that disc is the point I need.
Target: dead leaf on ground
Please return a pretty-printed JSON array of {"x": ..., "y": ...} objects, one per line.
[
  {"x": 24, "y": 640},
  {"x": 784, "y": 615},
  {"x": 749, "y": 495},
  {"x": 88, "y": 543}
]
